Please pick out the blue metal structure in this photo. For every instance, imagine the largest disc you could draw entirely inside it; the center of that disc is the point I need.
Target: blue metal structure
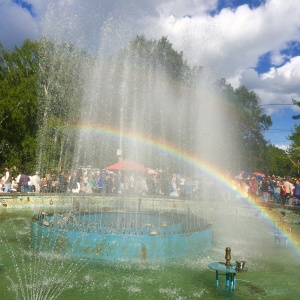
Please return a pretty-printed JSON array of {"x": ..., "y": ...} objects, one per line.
[{"x": 229, "y": 270}]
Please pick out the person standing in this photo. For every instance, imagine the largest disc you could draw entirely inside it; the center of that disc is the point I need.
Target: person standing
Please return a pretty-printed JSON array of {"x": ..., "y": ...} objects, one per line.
[
  {"x": 296, "y": 200},
  {"x": 108, "y": 182},
  {"x": 24, "y": 183},
  {"x": 253, "y": 188},
  {"x": 99, "y": 184},
  {"x": 117, "y": 184},
  {"x": 1, "y": 185},
  {"x": 265, "y": 189},
  {"x": 131, "y": 184},
  {"x": 277, "y": 193},
  {"x": 289, "y": 191},
  {"x": 173, "y": 192},
  {"x": 272, "y": 187},
  {"x": 7, "y": 180},
  {"x": 282, "y": 193},
  {"x": 62, "y": 182},
  {"x": 35, "y": 182},
  {"x": 74, "y": 185}
]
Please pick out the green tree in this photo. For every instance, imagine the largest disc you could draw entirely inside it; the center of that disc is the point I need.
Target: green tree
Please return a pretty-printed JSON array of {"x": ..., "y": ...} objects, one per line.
[
  {"x": 136, "y": 87},
  {"x": 161, "y": 55},
  {"x": 294, "y": 149},
  {"x": 147, "y": 87},
  {"x": 252, "y": 123},
  {"x": 297, "y": 103},
  {"x": 245, "y": 127},
  {"x": 18, "y": 102},
  {"x": 277, "y": 162},
  {"x": 40, "y": 94},
  {"x": 60, "y": 87}
]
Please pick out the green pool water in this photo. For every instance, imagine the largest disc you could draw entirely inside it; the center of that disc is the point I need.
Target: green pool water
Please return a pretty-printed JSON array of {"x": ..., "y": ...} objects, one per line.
[{"x": 273, "y": 271}]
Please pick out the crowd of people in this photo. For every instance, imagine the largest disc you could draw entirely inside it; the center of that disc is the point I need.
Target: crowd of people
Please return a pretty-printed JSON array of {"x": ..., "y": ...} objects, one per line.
[
  {"x": 284, "y": 191},
  {"x": 100, "y": 181},
  {"x": 21, "y": 183}
]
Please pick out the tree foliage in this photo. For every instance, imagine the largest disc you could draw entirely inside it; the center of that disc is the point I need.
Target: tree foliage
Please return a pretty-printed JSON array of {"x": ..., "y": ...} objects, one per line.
[
  {"x": 277, "y": 162},
  {"x": 18, "y": 102},
  {"x": 245, "y": 126},
  {"x": 297, "y": 103},
  {"x": 293, "y": 151},
  {"x": 160, "y": 54},
  {"x": 60, "y": 94},
  {"x": 43, "y": 86}
]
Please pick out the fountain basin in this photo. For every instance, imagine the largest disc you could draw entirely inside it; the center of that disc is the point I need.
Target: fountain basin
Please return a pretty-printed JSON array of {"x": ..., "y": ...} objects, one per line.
[{"x": 120, "y": 235}]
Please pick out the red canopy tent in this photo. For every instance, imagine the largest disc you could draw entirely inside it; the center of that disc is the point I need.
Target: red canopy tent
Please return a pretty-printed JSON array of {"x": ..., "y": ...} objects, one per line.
[
  {"x": 127, "y": 165},
  {"x": 257, "y": 174}
]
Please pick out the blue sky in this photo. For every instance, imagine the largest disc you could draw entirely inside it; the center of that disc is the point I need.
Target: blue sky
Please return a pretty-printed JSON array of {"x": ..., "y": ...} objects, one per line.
[
  {"x": 26, "y": 5},
  {"x": 253, "y": 43}
]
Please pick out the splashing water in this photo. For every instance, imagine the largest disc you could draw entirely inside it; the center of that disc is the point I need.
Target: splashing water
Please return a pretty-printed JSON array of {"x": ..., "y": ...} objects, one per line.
[{"x": 30, "y": 275}]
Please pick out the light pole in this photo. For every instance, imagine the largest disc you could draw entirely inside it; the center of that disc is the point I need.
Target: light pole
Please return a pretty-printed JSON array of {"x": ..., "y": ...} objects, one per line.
[{"x": 120, "y": 154}]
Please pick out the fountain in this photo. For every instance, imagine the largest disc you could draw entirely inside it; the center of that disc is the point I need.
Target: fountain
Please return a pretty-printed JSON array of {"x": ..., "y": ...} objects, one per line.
[
  {"x": 228, "y": 269},
  {"x": 138, "y": 105},
  {"x": 121, "y": 246},
  {"x": 114, "y": 235}
]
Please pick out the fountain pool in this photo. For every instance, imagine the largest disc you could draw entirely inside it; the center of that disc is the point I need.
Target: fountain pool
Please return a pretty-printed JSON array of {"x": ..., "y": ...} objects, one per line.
[
  {"x": 273, "y": 270},
  {"x": 122, "y": 235}
]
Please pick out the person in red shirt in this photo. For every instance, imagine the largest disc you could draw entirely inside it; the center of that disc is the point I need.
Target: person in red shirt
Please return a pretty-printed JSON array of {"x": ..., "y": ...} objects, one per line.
[{"x": 253, "y": 188}]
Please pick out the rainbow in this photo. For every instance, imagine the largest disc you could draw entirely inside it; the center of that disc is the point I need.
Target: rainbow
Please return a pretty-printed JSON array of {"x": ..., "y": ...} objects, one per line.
[{"x": 268, "y": 215}]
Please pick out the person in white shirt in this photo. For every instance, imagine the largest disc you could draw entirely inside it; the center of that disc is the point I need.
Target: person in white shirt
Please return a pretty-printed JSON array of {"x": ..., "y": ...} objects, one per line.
[
  {"x": 1, "y": 184},
  {"x": 289, "y": 187},
  {"x": 7, "y": 180},
  {"x": 35, "y": 182}
]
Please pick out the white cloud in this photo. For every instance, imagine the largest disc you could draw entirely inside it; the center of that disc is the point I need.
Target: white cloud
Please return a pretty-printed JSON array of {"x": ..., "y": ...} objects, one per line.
[
  {"x": 286, "y": 73},
  {"x": 283, "y": 147},
  {"x": 277, "y": 86},
  {"x": 232, "y": 40},
  {"x": 9, "y": 24},
  {"x": 229, "y": 43},
  {"x": 278, "y": 58},
  {"x": 181, "y": 8},
  {"x": 17, "y": 23}
]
